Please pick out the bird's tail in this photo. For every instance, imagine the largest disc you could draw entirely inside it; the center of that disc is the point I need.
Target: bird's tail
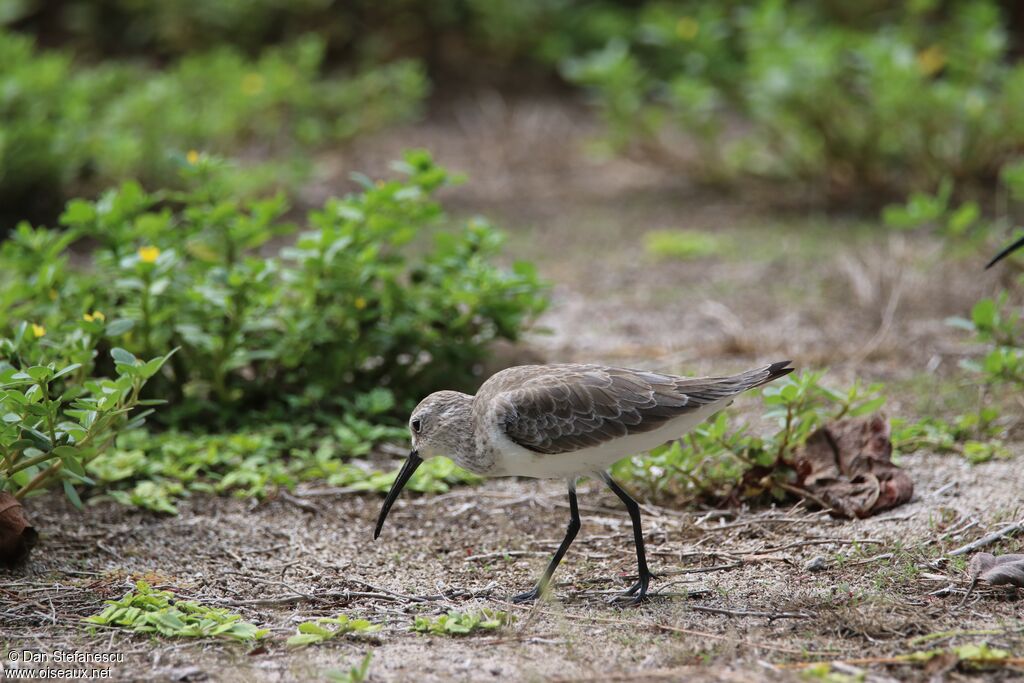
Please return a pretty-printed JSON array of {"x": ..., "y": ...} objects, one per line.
[{"x": 755, "y": 378}]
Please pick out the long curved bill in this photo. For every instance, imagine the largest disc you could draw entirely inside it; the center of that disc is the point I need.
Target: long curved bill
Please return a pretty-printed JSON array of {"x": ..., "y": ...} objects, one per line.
[
  {"x": 412, "y": 462},
  {"x": 1005, "y": 252}
]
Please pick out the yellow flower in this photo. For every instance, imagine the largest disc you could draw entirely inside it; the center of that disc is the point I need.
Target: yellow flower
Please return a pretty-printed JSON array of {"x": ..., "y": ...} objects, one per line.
[
  {"x": 360, "y": 303},
  {"x": 931, "y": 60},
  {"x": 687, "y": 28},
  {"x": 192, "y": 157},
  {"x": 252, "y": 84},
  {"x": 95, "y": 315},
  {"x": 149, "y": 254},
  {"x": 38, "y": 330}
]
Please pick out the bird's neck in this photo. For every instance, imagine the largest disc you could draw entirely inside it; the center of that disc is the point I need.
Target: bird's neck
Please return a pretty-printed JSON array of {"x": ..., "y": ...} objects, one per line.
[{"x": 460, "y": 439}]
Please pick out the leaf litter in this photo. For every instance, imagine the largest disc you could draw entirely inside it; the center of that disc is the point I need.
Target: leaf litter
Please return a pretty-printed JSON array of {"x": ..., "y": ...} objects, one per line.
[{"x": 847, "y": 464}]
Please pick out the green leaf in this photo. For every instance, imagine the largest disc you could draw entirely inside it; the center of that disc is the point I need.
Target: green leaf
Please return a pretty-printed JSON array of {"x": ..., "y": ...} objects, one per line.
[
  {"x": 302, "y": 639},
  {"x": 39, "y": 373},
  {"x": 984, "y": 313},
  {"x": 118, "y": 327},
  {"x": 72, "y": 495},
  {"x": 312, "y": 627},
  {"x": 78, "y": 212},
  {"x": 124, "y": 357},
  {"x": 152, "y": 367},
  {"x": 868, "y": 407}
]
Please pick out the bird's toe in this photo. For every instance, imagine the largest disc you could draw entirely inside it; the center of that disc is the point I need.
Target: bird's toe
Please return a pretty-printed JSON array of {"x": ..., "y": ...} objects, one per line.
[{"x": 528, "y": 596}]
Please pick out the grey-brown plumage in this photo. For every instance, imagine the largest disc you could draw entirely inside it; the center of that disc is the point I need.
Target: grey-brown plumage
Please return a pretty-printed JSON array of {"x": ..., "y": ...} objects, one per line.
[{"x": 554, "y": 409}]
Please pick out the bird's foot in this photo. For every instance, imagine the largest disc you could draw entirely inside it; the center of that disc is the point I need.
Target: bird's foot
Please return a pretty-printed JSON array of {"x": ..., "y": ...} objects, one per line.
[
  {"x": 637, "y": 593},
  {"x": 529, "y": 596}
]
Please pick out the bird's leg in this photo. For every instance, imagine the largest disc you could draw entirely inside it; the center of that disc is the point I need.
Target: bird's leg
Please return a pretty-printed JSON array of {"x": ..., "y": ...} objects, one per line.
[
  {"x": 639, "y": 589},
  {"x": 570, "y": 534}
]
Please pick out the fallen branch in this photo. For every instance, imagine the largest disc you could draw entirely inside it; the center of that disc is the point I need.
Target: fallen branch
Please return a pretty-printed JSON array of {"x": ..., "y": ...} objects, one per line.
[
  {"x": 988, "y": 540},
  {"x": 747, "y": 613}
]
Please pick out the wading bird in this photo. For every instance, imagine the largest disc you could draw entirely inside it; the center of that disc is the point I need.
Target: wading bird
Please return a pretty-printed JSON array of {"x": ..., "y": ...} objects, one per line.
[{"x": 567, "y": 421}]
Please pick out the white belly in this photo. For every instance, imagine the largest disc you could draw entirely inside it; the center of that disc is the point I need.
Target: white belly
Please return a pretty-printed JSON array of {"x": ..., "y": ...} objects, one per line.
[{"x": 514, "y": 460}]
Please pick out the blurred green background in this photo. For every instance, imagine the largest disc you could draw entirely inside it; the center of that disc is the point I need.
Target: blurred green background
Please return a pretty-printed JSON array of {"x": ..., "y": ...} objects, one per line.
[{"x": 849, "y": 102}]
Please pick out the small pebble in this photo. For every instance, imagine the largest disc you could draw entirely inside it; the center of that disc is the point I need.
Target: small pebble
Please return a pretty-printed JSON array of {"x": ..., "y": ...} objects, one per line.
[{"x": 817, "y": 564}]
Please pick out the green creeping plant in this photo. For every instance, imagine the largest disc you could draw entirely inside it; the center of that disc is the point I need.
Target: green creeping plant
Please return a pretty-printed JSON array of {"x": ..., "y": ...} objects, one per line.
[
  {"x": 146, "y": 610},
  {"x": 456, "y": 623}
]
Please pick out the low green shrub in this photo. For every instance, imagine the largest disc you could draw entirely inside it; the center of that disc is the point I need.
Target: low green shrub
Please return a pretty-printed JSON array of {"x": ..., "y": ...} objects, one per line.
[
  {"x": 469, "y": 37},
  {"x": 69, "y": 127},
  {"x": 364, "y": 298},
  {"x": 866, "y": 110}
]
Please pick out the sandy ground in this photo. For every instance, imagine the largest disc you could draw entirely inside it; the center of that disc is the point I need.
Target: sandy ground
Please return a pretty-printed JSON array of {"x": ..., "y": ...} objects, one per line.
[{"x": 736, "y": 599}]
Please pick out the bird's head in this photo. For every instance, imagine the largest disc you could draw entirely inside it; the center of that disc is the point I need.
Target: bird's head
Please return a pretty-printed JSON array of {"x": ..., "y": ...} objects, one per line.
[{"x": 440, "y": 425}]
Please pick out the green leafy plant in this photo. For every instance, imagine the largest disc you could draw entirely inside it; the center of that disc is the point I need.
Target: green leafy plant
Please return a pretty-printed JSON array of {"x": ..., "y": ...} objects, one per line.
[
  {"x": 364, "y": 299},
  {"x": 995, "y": 323},
  {"x": 147, "y": 610},
  {"x": 971, "y": 435},
  {"x": 366, "y": 303},
  {"x": 962, "y": 225},
  {"x": 56, "y": 416},
  {"x": 327, "y": 628},
  {"x": 462, "y": 623},
  {"x": 154, "y": 471},
  {"x": 355, "y": 674}
]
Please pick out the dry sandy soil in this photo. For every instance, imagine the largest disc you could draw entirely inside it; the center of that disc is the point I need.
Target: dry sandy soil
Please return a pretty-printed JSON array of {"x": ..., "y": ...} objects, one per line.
[{"x": 736, "y": 599}]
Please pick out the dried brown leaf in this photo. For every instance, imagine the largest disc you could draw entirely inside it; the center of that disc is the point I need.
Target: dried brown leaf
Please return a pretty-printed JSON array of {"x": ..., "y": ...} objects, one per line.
[
  {"x": 848, "y": 464},
  {"x": 16, "y": 535}
]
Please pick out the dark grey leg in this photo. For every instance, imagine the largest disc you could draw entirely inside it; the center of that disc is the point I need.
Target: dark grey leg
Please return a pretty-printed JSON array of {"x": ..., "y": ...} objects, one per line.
[
  {"x": 570, "y": 534},
  {"x": 639, "y": 589}
]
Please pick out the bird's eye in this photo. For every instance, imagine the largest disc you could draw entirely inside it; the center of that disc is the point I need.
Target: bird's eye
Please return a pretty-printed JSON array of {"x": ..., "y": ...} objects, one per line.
[{"x": 416, "y": 424}]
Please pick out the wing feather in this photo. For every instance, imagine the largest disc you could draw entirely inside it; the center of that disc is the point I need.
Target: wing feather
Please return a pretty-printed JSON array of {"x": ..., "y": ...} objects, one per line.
[{"x": 560, "y": 408}]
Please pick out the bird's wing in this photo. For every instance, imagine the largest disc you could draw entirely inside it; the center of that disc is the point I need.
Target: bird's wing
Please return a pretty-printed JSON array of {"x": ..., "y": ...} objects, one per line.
[{"x": 562, "y": 408}]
